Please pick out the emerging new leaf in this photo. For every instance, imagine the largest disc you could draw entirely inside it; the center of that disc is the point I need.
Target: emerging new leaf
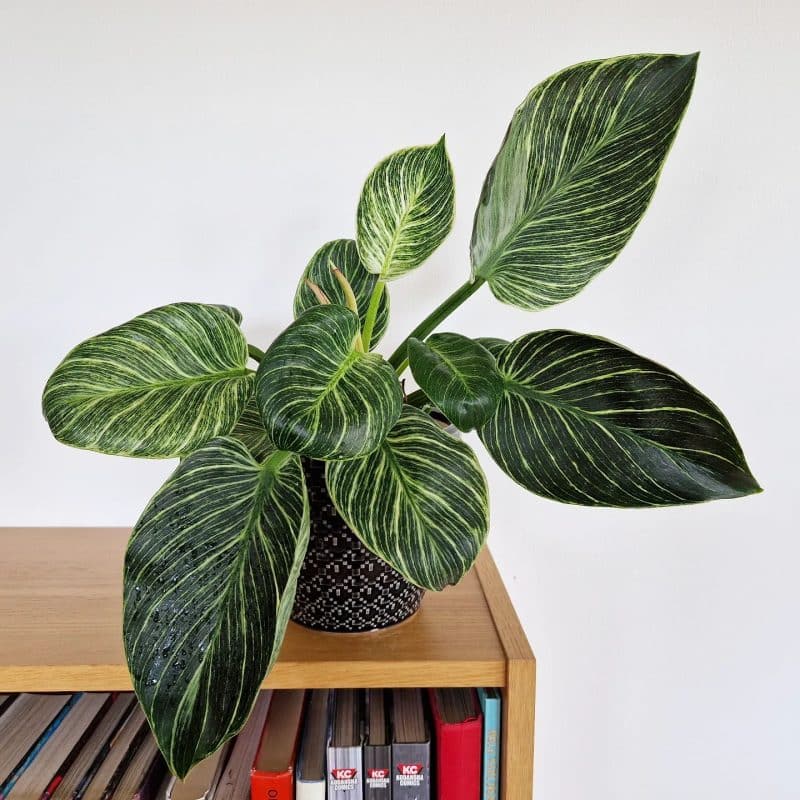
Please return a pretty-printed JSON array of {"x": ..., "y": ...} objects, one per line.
[
  {"x": 575, "y": 173},
  {"x": 158, "y": 386},
  {"x": 318, "y": 395},
  {"x": 405, "y": 210},
  {"x": 210, "y": 577},
  {"x": 459, "y": 375},
  {"x": 586, "y": 421},
  {"x": 420, "y": 501},
  {"x": 343, "y": 254}
]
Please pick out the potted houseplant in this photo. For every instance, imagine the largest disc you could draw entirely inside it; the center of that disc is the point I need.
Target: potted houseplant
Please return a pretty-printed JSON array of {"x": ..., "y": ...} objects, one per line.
[{"x": 213, "y": 562}]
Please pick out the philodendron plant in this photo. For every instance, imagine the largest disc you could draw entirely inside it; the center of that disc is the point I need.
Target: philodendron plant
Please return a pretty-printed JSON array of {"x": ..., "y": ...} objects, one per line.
[{"x": 212, "y": 564}]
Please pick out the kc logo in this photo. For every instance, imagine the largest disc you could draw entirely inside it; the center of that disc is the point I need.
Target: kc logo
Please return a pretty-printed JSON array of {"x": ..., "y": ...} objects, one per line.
[
  {"x": 344, "y": 774},
  {"x": 380, "y": 774},
  {"x": 409, "y": 769}
]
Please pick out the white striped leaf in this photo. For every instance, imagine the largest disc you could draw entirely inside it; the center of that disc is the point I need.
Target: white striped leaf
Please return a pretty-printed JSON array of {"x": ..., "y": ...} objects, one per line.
[
  {"x": 586, "y": 421},
  {"x": 405, "y": 210},
  {"x": 318, "y": 395},
  {"x": 459, "y": 375},
  {"x": 492, "y": 344},
  {"x": 343, "y": 254},
  {"x": 249, "y": 430},
  {"x": 158, "y": 386},
  {"x": 210, "y": 577},
  {"x": 575, "y": 173},
  {"x": 420, "y": 501}
]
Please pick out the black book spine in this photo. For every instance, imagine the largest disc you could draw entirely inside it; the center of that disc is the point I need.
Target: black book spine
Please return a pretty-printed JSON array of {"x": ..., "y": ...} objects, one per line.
[{"x": 377, "y": 772}]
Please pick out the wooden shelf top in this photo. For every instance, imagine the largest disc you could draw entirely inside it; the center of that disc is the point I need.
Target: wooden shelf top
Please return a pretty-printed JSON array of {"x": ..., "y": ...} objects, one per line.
[{"x": 61, "y": 626}]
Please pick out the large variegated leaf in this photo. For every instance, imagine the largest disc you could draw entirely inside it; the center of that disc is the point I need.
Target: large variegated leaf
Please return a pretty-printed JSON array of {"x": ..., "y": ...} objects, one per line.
[
  {"x": 586, "y": 421},
  {"x": 158, "y": 386},
  {"x": 420, "y": 501},
  {"x": 575, "y": 173},
  {"x": 405, "y": 210},
  {"x": 459, "y": 376},
  {"x": 492, "y": 344},
  {"x": 210, "y": 577},
  {"x": 343, "y": 254},
  {"x": 321, "y": 397}
]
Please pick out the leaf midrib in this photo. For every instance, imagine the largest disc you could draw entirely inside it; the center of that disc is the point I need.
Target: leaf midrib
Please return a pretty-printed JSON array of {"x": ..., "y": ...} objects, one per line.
[{"x": 148, "y": 387}]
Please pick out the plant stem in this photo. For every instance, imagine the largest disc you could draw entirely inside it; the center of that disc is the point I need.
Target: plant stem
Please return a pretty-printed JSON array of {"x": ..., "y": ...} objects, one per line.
[
  {"x": 255, "y": 353},
  {"x": 372, "y": 314},
  {"x": 436, "y": 317}
]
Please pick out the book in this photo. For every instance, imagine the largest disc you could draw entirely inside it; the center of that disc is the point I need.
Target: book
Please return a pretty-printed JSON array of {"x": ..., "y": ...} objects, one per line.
[
  {"x": 490, "y": 769},
  {"x": 234, "y": 784},
  {"x": 201, "y": 782},
  {"x": 311, "y": 757},
  {"x": 411, "y": 746},
  {"x": 272, "y": 777},
  {"x": 103, "y": 770},
  {"x": 345, "y": 771},
  {"x": 70, "y": 777},
  {"x": 142, "y": 774},
  {"x": 21, "y": 726},
  {"x": 82, "y": 710},
  {"x": 377, "y": 748},
  {"x": 457, "y": 723}
]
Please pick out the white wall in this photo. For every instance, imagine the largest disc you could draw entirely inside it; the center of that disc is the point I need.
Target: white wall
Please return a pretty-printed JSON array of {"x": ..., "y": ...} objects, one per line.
[{"x": 157, "y": 151}]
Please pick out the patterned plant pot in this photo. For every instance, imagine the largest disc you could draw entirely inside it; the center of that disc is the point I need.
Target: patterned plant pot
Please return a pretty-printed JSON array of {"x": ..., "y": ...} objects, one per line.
[{"x": 342, "y": 586}]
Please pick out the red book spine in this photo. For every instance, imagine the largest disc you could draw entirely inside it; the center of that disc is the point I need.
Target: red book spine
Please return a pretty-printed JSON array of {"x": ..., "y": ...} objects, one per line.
[
  {"x": 272, "y": 785},
  {"x": 458, "y": 756}
]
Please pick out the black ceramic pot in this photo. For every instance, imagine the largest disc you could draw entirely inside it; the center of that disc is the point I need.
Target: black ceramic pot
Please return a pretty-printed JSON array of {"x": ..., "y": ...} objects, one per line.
[{"x": 342, "y": 586}]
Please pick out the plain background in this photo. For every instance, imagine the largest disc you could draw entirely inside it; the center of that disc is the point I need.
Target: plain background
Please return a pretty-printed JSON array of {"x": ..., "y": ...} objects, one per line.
[{"x": 160, "y": 151}]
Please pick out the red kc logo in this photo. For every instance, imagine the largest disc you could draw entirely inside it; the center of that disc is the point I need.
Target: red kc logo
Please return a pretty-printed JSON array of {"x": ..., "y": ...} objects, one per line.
[
  {"x": 378, "y": 773},
  {"x": 343, "y": 774},
  {"x": 409, "y": 769}
]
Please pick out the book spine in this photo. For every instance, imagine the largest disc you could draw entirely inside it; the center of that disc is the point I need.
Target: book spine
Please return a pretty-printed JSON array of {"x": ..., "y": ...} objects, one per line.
[
  {"x": 491, "y": 749},
  {"x": 377, "y": 772},
  {"x": 345, "y": 773},
  {"x": 271, "y": 785},
  {"x": 411, "y": 770},
  {"x": 310, "y": 790},
  {"x": 34, "y": 751}
]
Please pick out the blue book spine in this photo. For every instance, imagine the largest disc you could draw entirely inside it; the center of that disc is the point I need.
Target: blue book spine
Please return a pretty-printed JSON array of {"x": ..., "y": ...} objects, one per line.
[{"x": 490, "y": 706}]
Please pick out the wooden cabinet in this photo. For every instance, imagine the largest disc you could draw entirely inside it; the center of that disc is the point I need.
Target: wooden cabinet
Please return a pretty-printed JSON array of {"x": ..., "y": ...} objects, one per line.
[{"x": 61, "y": 619}]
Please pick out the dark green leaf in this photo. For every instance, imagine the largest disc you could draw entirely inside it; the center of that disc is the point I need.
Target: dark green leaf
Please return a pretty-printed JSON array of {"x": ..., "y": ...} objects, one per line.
[
  {"x": 210, "y": 577},
  {"x": 405, "y": 210},
  {"x": 575, "y": 173},
  {"x": 459, "y": 376},
  {"x": 420, "y": 501},
  {"x": 343, "y": 254},
  {"x": 158, "y": 386},
  {"x": 492, "y": 344},
  {"x": 318, "y": 395},
  {"x": 249, "y": 430},
  {"x": 586, "y": 421}
]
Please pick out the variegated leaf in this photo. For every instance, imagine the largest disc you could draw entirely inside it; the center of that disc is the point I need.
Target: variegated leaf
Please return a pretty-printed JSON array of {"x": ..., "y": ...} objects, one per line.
[
  {"x": 343, "y": 254},
  {"x": 210, "y": 577},
  {"x": 318, "y": 395},
  {"x": 158, "y": 386},
  {"x": 420, "y": 501},
  {"x": 575, "y": 173},
  {"x": 405, "y": 210},
  {"x": 586, "y": 421},
  {"x": 492, "y": 344},
  {"x": 459, "y": 375},
  {"x": 249, "y": 430}
]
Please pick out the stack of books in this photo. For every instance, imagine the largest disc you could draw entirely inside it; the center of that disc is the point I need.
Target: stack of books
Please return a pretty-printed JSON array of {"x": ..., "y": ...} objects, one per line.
[
  {"x": 344, "y": 744},
  {"x": 88, "y": 746},
  {"x": 379, "y": 744}
]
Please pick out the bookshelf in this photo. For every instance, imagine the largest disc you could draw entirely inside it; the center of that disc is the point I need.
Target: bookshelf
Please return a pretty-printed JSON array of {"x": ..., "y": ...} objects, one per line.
[{"x": 61, "y": 619}]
